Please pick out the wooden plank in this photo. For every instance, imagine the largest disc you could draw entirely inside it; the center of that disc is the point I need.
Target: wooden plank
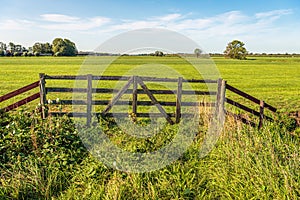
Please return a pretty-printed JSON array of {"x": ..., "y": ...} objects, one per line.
[
  {"x": 129, "y": 91},
  {"x": 112, "y": 78},
  {"x": 144, "y": 115},
  {"x": 200, "y": 81},
  {"x": 139, "y": 103},
  {"x": 134, "y": 95},
  {"x": 69, "y": 114},
  {"x": 117, "y": 97},
  {"x": 245, "y": 108},
  {"x": 19, "y": 91},
  {"x": 154, "y": 100},
  {"x": 248, "y": 96},
  {"x": 261, "y": 114},
  {"x": 242, "y": 119},
  {"x": 66, "y": 77},
  {"x": 43, "y": 99},
  {"x": 61, "y": 89},
  {"x": 22, "y": 102},
  {"x": 126, "y": 78},
  {"x": 83, "y": 77},
  {"x": 178, "y": 101},
  {"x": 89, "y": 100}
]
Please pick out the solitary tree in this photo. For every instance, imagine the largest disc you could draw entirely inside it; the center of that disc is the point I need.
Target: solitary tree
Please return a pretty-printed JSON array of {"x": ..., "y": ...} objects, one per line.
[
  {"x": 236, "y": 50},
  {"x": 198, "y": 52},
  {"x": 63, "y": 47},
  {"x": 158, "y": 53}
]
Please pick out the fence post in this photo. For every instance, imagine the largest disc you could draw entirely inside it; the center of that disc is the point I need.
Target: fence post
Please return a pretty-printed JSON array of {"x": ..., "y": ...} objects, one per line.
[
  {"x": 178, "y": 101},
  {"x": 134, "y": 96},
  {"x": 89, "y": 101},
  {"x": 43, "y": 101},
  {"x": 261, "y": 113},
  {"x": 220, "y": 102}
]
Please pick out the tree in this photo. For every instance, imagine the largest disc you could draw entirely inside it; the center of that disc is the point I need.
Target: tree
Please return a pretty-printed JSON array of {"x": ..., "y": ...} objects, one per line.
[
  {"x": 158, "y": 53},
  {"x": 64, "y": 47},
  {"x": 42, "y": 48},
  {"x": 2, "y": 46},
  {"x": 198, "y": 52},
  {"x": 11, "y": 47},
  {"x": 236, "y": 50}
]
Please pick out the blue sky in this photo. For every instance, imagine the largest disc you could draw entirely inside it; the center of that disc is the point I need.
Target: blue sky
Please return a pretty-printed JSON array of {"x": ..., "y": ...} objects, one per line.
[{"x": 264, "y": 26}]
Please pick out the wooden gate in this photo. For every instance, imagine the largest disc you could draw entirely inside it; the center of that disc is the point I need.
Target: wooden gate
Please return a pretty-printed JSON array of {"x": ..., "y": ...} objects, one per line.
[{"x": 134, "y": 85}]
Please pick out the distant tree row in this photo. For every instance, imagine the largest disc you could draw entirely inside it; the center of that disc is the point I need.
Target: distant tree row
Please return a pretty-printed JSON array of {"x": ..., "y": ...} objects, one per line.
[{"x": 59, "y": 47}]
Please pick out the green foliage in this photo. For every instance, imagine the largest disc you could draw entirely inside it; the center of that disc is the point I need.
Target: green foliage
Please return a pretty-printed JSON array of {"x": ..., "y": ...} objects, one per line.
[
  {"x": 16, "y": 54},
  {"x": 236, "y": 50},
  {"x": 197, "y": 52},
  {"x": 37, "y": 157},
  {"x": 64, "y": 46},
  {"x": 44, "y": 159},
  {"x": 2, "y": 53},
  {"x": 42, "y": 48},
  {"x": 25, "y": 54},
  {"x": 158, "y": 53}
]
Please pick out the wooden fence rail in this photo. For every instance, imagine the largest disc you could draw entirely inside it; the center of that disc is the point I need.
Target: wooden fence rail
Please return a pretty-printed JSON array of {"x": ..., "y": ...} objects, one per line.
[
  {"x": 260, "y": 113},
  {"x": 20, "y": 91},
  {"x": 136, "y": 85}
]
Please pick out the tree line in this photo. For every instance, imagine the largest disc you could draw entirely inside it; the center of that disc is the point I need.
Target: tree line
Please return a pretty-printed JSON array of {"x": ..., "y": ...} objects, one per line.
[{"x": 58, "y": 47}]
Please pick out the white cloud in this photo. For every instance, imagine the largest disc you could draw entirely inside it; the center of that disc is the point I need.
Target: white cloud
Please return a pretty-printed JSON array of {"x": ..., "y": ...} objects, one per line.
[
  {"x": 273, "y": 13},
  {"x": 17, "y": 24},
  {"x": 170, "y": 17},
  {"x": 58, "y": 18},
  {"x": 67, "y": 23}
]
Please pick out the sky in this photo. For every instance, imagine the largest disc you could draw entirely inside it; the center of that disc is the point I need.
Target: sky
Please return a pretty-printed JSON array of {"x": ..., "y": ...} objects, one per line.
[{"x": 264, "y": 26}]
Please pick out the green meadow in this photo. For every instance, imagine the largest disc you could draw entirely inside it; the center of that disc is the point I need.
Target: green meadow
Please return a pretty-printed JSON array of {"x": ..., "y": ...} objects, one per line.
[{"x": 273, "y": 79}]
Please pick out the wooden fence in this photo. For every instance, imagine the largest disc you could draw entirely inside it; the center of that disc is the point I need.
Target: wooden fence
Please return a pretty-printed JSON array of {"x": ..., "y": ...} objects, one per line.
[{"x": 139, "y": 86}]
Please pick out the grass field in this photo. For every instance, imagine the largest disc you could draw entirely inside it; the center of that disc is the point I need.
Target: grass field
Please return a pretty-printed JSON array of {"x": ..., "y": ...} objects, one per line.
[
  {"x": 45, "y": 159},
  {"x": 275, "y": 80}
]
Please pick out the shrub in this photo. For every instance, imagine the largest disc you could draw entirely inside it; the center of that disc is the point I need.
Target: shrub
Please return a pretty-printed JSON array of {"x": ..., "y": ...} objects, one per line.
[
  {"x": 2, "y": 53},
  {"x": 58, "y": 54},
  {"x": 30, "y": 54},
  {"x": 36, "y": 54},
  {"x": 16, "y": 54},
  {"x": 25, "y": 54}
]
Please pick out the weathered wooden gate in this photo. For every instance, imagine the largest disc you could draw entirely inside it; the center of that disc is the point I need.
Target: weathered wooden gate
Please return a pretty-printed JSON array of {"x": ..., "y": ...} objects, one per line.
[{"x": 131, "y": 86}]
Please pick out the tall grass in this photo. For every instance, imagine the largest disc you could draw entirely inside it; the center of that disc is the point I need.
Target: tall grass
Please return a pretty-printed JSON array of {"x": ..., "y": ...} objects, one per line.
[{"x": 46, "y": 160}]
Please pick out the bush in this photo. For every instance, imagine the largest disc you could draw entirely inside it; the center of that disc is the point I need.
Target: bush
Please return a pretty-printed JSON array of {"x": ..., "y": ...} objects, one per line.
[
  {"x": 58, "y": 54},
  {"x": 25, "y": 54},
  {"x": 30, "y": 54},
  {"x": 36, "y": 54},
  {"x": 2, "y": 53},
  {"x": 16, "y": 54}
]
